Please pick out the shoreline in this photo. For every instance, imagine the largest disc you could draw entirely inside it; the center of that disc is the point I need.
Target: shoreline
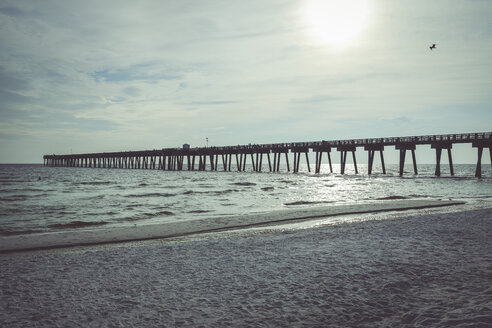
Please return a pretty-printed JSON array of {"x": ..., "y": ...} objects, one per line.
[
  {"x": 412, "y": 271},
  {"x": 84, "y": 237}
]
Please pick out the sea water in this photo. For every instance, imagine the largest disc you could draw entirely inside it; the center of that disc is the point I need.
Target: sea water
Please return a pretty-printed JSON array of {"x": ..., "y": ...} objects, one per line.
[{"x": 35, "y": 198}]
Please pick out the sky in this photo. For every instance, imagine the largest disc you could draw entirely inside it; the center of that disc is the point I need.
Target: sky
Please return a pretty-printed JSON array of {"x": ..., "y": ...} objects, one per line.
[{"x": 101, "y": 76}]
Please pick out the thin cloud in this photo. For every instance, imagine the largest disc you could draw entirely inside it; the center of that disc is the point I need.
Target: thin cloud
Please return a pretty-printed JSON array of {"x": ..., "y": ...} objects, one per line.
[
  {"x": 215, "y": 102},
  {"x": 175, "y": 71}
]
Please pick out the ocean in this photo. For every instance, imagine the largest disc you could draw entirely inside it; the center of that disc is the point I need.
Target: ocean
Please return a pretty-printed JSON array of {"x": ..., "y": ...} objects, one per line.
[
  {"x": 39, "y": 199},
  {"x": 424, "y": 267}
]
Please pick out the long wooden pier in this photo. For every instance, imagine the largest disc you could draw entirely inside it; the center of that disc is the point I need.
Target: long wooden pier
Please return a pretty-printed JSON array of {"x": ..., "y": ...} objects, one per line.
[{"x": 235, "y": 157}]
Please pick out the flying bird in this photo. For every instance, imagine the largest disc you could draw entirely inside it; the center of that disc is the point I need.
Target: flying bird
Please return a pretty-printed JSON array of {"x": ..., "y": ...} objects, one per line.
[{"x": 433, "y": 46}]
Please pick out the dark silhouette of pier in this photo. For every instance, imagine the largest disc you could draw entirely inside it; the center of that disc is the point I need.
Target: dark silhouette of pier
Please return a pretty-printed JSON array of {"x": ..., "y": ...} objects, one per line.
[{"x": 235, "y": 157}]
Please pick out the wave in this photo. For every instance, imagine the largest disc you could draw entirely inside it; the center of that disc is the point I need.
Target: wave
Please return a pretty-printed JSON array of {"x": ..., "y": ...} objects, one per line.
[
  {"x": 160, "y": 213},
  {"x": 392, "y": 198},
  {"x": 25, "y": 190},
  {"x": 244, "y": 184},
  {"x": 152, "y": 194},
  {"x": 145, "y": 216},
  {"x": 305, "y": 202},
  {"x": 13, "y": 180},
  {"x": 15, "y": 198},
  {"x": 11, "y": 232},
  {"x": 211, "y": 192},
  {"x": 131, "y": 206},
  {"x": 76, "y": 224},
  {"x": 199, "y": 211},
  {"x": 93, "y": 183},
  {"x": 94, "y": 197},
  {"x": 222, "y": 192},
  {"x": 420, "y": 196},
  {"x": 476, "y": 197},
  {"x": 267, "y": 188}
]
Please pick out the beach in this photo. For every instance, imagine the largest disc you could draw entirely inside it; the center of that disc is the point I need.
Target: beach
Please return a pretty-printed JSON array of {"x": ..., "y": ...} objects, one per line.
[{"x": 405, "y": 269}]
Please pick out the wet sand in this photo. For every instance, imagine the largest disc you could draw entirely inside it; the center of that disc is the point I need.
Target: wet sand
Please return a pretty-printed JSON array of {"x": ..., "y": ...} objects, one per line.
[
  {"x": 407, "y": 271},
  {"x": 77, "y": 237}
]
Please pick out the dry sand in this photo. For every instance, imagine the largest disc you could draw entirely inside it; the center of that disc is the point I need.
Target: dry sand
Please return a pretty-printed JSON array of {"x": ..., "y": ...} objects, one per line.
[{"x": 432, "y": 270}]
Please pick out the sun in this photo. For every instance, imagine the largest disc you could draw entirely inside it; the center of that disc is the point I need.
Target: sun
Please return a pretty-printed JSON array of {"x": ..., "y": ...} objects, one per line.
[{"x": 336, "y": 22}]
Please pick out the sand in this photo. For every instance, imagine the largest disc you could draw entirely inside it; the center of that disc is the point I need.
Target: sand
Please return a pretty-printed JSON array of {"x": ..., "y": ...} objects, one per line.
[{"x": 430, "y": 270}]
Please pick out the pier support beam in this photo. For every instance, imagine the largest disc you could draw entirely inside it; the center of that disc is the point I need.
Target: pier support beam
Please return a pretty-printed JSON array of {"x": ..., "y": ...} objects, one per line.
[
  {"x": 480, "y": 145},
  {"x": 259, "y": 161},
  {"x": 319, "y": 157},
  {"x": 343, "y": 157},
  {"x": 276, "y": 161},
  {"x": 212, "y": 162},
  {"x": 253, "y": 164},
  {"x": 239, "y": 159},
  {"x": 224, "y": 161},
  {"x": 277, "y": 156},
  {"x": 371, "y": 152},
  {"x": 245, "y": 157},
  {"x": 297, "y": 158},
  {"x": 403, "y": 147},
  {"x": 439, "y": 146}
]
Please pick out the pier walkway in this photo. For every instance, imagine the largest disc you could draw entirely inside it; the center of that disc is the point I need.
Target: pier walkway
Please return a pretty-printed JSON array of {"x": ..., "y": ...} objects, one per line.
[{"x": 229, "y": 158}]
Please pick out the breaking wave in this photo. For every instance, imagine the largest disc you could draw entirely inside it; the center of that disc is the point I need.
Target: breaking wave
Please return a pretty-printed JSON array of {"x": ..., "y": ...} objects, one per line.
[
  {"x": 244, "y": 184},
  {"x": 305, "y": 202},
  {"x": 76, "y": 224},
  {"x": 93, "y": 183},
  {"x": 391, "y": 198},
  {"x": 152, "y": 194}
]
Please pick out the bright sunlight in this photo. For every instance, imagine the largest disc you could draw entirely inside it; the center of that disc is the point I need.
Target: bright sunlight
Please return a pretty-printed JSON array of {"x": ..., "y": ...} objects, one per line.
[{"x": 336, "y": 22}]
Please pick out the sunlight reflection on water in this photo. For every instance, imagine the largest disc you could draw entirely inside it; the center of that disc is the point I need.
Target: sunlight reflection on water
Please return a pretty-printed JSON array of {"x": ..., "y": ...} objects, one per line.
[{"x": 80, "y": 197}]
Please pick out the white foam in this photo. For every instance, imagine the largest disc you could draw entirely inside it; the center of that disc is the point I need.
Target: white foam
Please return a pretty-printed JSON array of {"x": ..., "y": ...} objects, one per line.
[{"x": 184, "y": 227}]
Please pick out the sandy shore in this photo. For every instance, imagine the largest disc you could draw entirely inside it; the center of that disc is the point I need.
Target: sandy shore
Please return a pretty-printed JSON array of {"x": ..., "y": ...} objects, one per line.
[
  {"x": 415, "y": 271},
  {"x": 78, "y": 237}
]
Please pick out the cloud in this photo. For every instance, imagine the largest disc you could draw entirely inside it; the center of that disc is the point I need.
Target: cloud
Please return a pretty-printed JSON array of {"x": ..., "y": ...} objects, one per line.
[
  {"x": 17, "y": 12},
  {"x": 132, "y": 91},
  {"x": 215, "y": 102},
  {"x": 138, "y": 74},
  {"x": 11, "y": 82},
  {"x": 316, "y": 99}
]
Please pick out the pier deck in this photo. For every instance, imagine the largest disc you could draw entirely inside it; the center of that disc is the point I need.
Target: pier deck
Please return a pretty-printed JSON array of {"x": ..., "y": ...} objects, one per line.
[{"x": 235, "y": 157}]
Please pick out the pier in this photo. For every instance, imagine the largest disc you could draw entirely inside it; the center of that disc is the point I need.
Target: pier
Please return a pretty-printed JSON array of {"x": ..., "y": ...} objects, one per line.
[{"x": 228, "y": 158}]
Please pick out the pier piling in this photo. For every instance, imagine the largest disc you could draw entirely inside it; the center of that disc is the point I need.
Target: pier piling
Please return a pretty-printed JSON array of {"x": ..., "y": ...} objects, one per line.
[
  {"x": 343, "y": 157},
  {"x": 371, "y": 149},
  {"x": 480, "y": 145},
  {"x": 439, "y": 146},
  {"x": 403, "y": 147}
]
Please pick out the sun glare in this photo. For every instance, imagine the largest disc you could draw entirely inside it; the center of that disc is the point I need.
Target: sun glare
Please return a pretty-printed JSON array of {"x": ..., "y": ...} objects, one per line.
[{"x": 336, "y": 22}]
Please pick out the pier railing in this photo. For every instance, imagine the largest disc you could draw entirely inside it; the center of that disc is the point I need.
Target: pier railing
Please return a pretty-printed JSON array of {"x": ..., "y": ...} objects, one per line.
[{"x": 174, "y": 158}]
